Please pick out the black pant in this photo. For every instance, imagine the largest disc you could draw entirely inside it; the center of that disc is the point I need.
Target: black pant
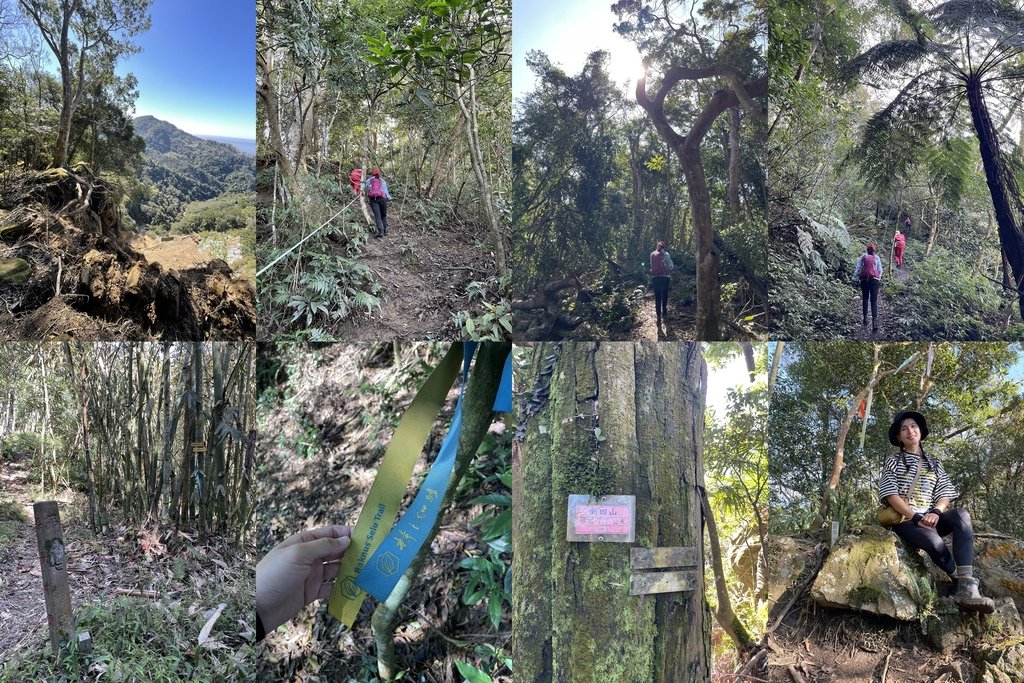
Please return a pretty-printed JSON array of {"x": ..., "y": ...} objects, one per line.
[
  {"x": 956, "y": 522},
  {"x": 659, "y": 283},
  {"x": 380, "y": 214},
  {"x": 869, "y": 289}
]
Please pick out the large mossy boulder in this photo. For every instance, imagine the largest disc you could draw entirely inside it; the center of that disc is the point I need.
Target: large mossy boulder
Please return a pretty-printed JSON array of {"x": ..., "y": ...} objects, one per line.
[
  {"x": 14, "y": 271},
  {"x": 874, "y": 572}
]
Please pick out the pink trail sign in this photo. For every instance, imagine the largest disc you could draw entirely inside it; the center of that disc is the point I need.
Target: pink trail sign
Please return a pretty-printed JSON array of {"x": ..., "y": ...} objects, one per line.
[{"x": 601, "y": 519}]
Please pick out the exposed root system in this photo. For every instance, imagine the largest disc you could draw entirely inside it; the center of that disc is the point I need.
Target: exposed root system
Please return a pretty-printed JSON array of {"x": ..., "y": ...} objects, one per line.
[{"x": 68, "y": 271}]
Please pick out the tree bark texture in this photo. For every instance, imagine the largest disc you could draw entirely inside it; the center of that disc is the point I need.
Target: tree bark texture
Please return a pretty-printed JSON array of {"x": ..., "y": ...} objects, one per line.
[
  {"x": 1001, "y": 186},
  {"x": 575, "y": 619}
]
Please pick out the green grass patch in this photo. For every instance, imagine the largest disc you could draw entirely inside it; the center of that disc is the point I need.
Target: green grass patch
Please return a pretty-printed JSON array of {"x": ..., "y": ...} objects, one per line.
[
  {"x": 140, "y": 640},
  {"x": 8, "y": 534},
  {"x": 12, "y": 511}
]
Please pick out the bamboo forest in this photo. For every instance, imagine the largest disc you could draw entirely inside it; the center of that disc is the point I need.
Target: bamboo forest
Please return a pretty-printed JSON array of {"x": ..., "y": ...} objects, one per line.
[
  {"x": 897, "y": 126},
  {"x": 383, "y": 168},
  {"x": 606, "y": 171},
  {"x": 147, "y": 451}
]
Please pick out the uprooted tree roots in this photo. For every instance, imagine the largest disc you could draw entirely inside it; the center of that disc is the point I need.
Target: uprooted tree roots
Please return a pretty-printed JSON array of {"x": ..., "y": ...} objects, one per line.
[{"x": 67, "y": 270}]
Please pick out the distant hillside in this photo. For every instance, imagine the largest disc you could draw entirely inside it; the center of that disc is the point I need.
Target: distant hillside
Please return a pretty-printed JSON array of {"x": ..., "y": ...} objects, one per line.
[
  {"x": 185, "y": 168},
  {"x": 244, "y": 145}
]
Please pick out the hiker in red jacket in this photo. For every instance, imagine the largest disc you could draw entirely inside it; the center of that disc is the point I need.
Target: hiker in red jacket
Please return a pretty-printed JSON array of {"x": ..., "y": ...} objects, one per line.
[
  {"x": 869, "y": 273},
  {"x": 899, "y": 243},
  {"x": 661, "y": 268},
  {"x": 355, "y": 178}
]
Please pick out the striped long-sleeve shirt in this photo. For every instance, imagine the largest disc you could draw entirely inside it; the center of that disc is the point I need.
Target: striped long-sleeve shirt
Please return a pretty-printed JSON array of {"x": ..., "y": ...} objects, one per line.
[{"x": 932, "y": 485}]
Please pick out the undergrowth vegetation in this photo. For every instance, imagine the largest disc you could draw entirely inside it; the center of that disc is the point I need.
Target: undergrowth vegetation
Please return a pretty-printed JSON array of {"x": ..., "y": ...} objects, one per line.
[
  {"x": 137, "y": 639},
  {"x": 327, "y": 281}
]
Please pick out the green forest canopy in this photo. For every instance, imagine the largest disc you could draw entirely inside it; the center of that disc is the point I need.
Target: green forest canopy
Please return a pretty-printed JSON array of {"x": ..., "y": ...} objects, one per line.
[{"x": 971, "y": 393}]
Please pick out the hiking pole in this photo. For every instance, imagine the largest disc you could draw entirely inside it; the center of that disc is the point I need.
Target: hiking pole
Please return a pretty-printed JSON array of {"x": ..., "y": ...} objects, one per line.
[{"x": 299, "y": 243}]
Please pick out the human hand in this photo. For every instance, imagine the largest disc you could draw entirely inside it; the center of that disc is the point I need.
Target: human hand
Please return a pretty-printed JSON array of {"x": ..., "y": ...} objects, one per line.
[
  {"x": 929, "y": 520},
  {"x": 300, "y": 569}
]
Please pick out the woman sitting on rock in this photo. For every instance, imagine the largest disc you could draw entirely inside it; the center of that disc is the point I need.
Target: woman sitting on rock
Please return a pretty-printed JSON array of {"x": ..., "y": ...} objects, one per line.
[{"x": 924, "y": 507}]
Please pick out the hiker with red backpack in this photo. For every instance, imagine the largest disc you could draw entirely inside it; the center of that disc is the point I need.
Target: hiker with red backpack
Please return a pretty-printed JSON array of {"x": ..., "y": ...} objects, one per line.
[
  {"x": 869, "y": 273},
  {"x": 377, "y": 192},
  {"x": 661, "y": 268},
  {"x": 899, "y": 243},
  {"x": 356, "y": 178}
]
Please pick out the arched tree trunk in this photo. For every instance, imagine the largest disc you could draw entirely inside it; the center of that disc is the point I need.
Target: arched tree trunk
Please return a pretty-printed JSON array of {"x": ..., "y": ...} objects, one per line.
[
  {"x": 687, "y": 149},
  {"x": 575, "y": 618}
]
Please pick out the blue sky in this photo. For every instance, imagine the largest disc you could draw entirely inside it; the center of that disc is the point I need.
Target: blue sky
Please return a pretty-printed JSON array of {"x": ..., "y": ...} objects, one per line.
[
  {"x": 197, "y": 68},
  {"x": 567, "y": 32}
]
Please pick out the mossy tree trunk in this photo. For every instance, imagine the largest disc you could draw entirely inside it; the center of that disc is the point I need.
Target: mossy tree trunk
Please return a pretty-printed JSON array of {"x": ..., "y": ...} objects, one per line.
[{"x": 575, "y": 619}]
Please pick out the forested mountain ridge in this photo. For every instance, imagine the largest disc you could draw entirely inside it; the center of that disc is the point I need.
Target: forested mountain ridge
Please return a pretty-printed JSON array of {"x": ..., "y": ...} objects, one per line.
[
  {"x": 217, "y": 164},
  {"x": 186, "y": 168}
]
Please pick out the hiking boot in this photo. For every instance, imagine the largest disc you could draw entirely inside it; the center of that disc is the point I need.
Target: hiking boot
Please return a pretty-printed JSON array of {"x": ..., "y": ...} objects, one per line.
[{"x": 968, "y": 599}]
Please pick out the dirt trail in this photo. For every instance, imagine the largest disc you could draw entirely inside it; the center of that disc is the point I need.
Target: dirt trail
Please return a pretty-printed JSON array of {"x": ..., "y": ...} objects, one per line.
[
  {"x": 176, "y": 253},
  {"x": 679, "y": 326},
  {"x": 885, "y": 306},
  {"x": 424, "y": 274},
  {"x": 22, "y": 607}
]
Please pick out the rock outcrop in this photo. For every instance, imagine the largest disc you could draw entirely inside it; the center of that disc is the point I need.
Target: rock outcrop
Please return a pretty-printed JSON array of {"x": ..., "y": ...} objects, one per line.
[{"x": 874, "y": 572}]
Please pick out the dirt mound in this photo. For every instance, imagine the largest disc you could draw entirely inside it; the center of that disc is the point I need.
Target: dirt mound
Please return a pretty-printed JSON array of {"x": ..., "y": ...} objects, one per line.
[{"x": 72, "y": 272}]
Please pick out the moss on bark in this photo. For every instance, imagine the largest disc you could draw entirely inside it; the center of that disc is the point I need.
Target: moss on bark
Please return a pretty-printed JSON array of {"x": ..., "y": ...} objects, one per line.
[{"x": 574, "y": 618}]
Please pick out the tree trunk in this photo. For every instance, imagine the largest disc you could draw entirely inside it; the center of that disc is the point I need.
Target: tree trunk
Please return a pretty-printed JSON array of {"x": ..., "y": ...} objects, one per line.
[
  {"x": 467, "y": 105},
  {"x": 1001, "y": 186},
  {"x": 687, "y": 148},
  {"x": 265, "y": 91},
  {"x": 734, "y": 163},
  {"x": 575, "y": 618}
]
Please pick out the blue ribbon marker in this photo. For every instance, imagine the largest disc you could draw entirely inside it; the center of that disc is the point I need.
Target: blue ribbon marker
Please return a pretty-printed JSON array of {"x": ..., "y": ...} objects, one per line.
[{"x": 387, "y": 565}]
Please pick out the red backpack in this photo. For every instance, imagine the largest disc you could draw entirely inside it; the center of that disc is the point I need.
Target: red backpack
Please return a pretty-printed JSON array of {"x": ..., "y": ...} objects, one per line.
[
  {"x": 376, "y": 187},
  {"x": 870, "y": 267},
  {"x": 658, "y": 265}
]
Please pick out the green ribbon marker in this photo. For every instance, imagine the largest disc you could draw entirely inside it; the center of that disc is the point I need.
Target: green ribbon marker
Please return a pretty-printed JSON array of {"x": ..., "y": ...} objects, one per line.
[{"x": 382, "y": 503}]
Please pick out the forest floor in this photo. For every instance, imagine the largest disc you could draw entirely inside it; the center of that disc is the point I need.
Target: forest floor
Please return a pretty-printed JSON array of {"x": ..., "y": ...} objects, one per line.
[
  {"x": 424, "y": 272},
  {"x": 838, "y": 646},
  {"x": 886, "y": 306},
  {"x": 679, "y": 326},
  {"x": 143, "y": 603},
  {"x": 322, "y": 447}
]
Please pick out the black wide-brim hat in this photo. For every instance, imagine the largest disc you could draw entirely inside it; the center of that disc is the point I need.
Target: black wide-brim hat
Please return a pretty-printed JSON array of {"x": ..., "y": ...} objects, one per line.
[{"x": 894, "y": 428}]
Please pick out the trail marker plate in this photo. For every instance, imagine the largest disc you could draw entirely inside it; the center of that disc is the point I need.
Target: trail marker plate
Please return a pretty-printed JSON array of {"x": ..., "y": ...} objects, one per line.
[
  {"x": 663, "y": 582},
  {"x": 684, "y": 561},
  {"x": 659, "y": 558},
  {"x": 610, "y": 519}
]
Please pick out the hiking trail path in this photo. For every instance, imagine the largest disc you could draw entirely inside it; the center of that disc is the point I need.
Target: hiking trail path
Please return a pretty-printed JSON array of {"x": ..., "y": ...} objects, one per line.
[
  {"x": 885, "y": 304},
  {"x": 679, "y": 326},
  {"x": 424, "y": 274},
  {"x": 22, "y": 605}
]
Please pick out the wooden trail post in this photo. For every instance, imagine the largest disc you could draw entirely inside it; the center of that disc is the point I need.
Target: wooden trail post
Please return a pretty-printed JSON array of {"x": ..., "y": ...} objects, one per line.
[{"x": 53, "y": 562}]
